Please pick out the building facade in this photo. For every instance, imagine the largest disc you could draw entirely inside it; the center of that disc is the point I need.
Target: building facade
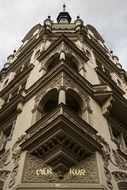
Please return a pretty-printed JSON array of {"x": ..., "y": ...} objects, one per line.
[{"x": 63, "y": 111}]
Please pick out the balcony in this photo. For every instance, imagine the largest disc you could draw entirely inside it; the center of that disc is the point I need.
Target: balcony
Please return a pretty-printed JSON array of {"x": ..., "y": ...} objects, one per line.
[
  {"x": 61, "y": 139},
  {"x": 101, "y": 92}
]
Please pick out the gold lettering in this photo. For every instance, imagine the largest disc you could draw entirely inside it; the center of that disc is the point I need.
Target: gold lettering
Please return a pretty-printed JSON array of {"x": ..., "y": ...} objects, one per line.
[
  {"x": 72, "y": 171},
  {"x": 82, "y": 172},
  {"x": 37, "y": 172},
  {"x": 49, "y": 171},
  {"x": 44, "y": 171},
  {"x": 77, "y": 172}
]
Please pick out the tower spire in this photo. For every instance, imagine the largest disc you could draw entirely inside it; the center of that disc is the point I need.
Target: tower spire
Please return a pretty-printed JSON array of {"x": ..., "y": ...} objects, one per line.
[
  {"x": 64, "y": 17},
  {"x": 64, "y": 7}
]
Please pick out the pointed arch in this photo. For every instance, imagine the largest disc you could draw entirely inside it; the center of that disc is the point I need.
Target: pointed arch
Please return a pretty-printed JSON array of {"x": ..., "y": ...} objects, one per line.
[
  {"x": 74, "y": 101},
  {"x": 52, "y": 62},
  {"x": 72, "y": 61},
  {"x": 48, "y": 102}
]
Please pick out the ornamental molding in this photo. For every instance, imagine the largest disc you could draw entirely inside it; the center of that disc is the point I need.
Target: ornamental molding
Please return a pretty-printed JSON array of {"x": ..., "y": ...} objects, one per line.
[
  {"x": 4, "y": 159},
  {"x": 107, "y": 105},
  {"x": 33, "y": 163},
  {"x": 69, "y": 47},
  {"x": 106, "y": 158},
  {"x": 120, "y": 176},
  {"x": 4, "y": 174},
  {"x": 16, "y": 153},
  {"x": 119, "y": 160}
]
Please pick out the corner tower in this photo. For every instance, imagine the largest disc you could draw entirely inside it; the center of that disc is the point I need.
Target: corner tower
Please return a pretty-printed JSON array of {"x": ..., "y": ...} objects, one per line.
[{"x": 63, "y": 105}]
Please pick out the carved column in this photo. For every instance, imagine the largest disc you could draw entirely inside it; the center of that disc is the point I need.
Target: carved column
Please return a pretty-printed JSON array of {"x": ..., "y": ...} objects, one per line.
[
  {"x": 123, "y": 145},
  {"x": 44, "y": 39},
  {"x": 81, "y": 39},
  {"x": 62, "y": 97},
  {"x": 82, "y": 71},
  {"x": 62, "y": 55},
  {"x": 37, "y": 114}
]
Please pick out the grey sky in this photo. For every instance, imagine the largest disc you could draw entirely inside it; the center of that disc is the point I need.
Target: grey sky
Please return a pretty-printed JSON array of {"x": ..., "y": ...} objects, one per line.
[{"x": 109, "y": 17}]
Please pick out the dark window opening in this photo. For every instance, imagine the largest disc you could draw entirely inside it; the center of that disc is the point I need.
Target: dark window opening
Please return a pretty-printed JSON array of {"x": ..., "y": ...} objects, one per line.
[
  {"x": 72, "y": 104},
  {"x": 51, "y": 104}
]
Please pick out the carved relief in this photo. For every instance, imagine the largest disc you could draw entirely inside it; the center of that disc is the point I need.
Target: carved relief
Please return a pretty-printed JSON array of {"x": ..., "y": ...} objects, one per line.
[
  {"x": 106, "y": 157},
  {"x": 107, "y": 106},
  {"x": 119, "y": 176},
  {"x": 33, "y": 163},
  {"x": 4, "y": 159},
  {"x": 16, "y": 152},
  {"x": 120, "y": 161},
  {"x": 4, "y": 174}
]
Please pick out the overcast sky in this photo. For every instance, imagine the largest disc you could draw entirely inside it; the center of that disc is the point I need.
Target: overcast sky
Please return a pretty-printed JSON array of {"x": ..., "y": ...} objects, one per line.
[{"x": 109, "y": 17}]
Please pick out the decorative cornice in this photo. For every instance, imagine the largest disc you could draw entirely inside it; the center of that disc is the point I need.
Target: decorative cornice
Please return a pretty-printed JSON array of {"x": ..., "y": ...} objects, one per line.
[
  {"x": 62, "y": 67},
  {"x": 68, "y": 42},
  {"x": 18, "y": 79},
  {"x": 10, "y": 108}
]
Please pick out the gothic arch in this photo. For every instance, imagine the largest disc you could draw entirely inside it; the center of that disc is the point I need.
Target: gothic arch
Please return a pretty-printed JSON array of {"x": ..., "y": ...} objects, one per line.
[
  {"x": 72, "y": 61},
  {"x": 74, "y": 101},
  {"x": 51, "y": 62},
  {"x": 48, "y": 102}
]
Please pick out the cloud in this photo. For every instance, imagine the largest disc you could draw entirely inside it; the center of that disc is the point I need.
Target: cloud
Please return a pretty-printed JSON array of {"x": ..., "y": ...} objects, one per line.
[{"x": 108, "y": 17}]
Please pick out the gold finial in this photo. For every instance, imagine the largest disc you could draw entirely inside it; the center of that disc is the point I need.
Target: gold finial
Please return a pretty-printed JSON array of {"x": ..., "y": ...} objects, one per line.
[{"x": 64, "y": 7}]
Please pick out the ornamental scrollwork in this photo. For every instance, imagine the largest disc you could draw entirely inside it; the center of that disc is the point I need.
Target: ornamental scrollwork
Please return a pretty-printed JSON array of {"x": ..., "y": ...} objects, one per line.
[
  {"x": 4, "y": 174},
  {"x": 120, "y": 161},
  {"x": 16, "y": 152},
  {"x": 106, "y": 157},
  {"x": 119, "y": 176},
  {"x": 4, "y": 159}
]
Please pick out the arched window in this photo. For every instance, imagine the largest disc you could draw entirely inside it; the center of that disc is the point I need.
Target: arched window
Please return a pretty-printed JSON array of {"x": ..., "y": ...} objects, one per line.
[
  {"x": 51, "y": 100},
  {"x": 52, "y": 62},
  {"x": 48, "y": 103},
  {"x": 74, "y": 102},
  {"x": 51, "y": 103},
  {"x": 72, "y": 62}
]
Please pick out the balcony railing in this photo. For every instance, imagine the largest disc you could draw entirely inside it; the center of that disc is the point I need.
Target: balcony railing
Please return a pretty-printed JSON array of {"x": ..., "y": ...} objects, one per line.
[
  {"x": 62, "y": 110},
  {"x": 101, "y": 88}
]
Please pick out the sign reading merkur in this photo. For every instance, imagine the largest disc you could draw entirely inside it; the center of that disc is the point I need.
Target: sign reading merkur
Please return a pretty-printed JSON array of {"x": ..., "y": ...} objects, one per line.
[{"x": 49, "y": 171}]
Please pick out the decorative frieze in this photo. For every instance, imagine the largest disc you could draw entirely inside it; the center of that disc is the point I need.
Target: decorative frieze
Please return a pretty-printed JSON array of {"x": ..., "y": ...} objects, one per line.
[
  {"x": 16, "y": 152},
  {"x": 4, "y": 174},
  {"x": 34, "y": 165},
  {"x": 120, "y": 161},
  {"x": 4, "y": 161},
  {"x": 119, "y": 176}
]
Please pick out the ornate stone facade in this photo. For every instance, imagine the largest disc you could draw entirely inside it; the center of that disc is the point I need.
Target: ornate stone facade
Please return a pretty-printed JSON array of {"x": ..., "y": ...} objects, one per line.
[
  {"x": 63, "y": 105},
  {"x": 33, "y": 163}
]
